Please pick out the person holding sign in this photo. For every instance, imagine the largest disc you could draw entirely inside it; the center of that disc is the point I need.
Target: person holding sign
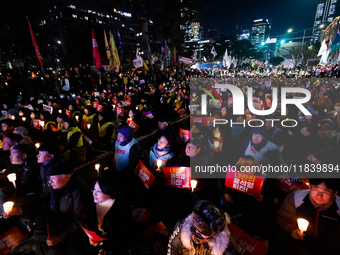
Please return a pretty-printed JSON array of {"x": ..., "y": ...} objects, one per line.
[
  {"x": 320, "y": 206},
  {"x": 113, "y": 219},
  {"x": 204, "y": 231},
  {"x": 242, "y": 199}
]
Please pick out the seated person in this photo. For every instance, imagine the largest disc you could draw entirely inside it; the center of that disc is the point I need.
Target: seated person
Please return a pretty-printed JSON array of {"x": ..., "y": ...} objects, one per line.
[
  {"x": 205, "y": 231},
  {"x": 113, "y": 216},
  {"x": 320, "y": 206},
  {"x": 260, "y": 148}
]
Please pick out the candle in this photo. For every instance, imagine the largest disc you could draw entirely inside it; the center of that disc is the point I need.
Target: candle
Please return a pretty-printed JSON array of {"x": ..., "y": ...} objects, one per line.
[
  {"x": 216, "y": 144},
  {"x": 77, "y": 117},
  {"x": 97, "y": 166},
  {"x": 60, "y": 111},
  {"x": 8, "y": 206},
  {"x": 12, "y": 178},
  {"x": 37, "y": 145},
  {"x": 193, "y": 185},
  {"x": 24, "y": 119},
  {"x": 13, "y": 117},
  {"x": 88, "y": 126},
  {"x": 303, "y": 224},
  {"x": 42, "y": 123},
  {"x": 159, "y": 163}
]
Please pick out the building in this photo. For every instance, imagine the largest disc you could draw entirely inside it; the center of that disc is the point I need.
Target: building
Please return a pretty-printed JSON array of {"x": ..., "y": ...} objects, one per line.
[
  {"x": 65, "y": 34},
  {"x": 326, "y": 11},
  {"x": 244, "y": 35},
  {"x": 260, "y": 31}
]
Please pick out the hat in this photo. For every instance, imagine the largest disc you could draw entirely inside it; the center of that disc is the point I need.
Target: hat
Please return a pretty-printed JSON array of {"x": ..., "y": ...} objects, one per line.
[
  {"x": 261, "y": 130},
  {"x": 311, "y": 110},
  {"x": 127, "y": 132},
  {"x": 60, "y": 168}
]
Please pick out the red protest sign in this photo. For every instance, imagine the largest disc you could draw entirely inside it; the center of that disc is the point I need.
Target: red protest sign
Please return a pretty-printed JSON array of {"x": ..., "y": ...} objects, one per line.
[
  {"x": 99, "y": 108},
  {"x": 9, "y": 239},
  {"x": 320, "y": 101},
  {"x": 36, "y": 123},
  {"x": 196, "y": 119},
  {"x": 127, "y": 102},
  {"x": 140, "y": 215},
  {"x": 184, "y": 135},
  {"x": 209, "y": 121},
  {"x": 120, "y": 111},
  {"x": 92, "y": 235},
  {"x": 284, "y": 183},
  {"x": 244, "y": 182},
  {"x": 159, "y": 227},
  {"x": 68, "y": 112},
  {"x": 115, "y": 100},
  {"x": 230, "y": 101},
  {"x": 177, "y": 177},
  {"x": 145, "y": 175},
  {"x": 132, "y": 124},
  {"x": 247, "y": 245},
  {"x": 95, "y": 104}
]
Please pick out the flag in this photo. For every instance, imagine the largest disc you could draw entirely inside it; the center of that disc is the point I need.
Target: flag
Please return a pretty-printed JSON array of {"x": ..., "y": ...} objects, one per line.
[
  {"x": 213, "y": 51},
  {"x": 150, "y": 56},
  {"x": 162, "y": 55},
  {"x": 95, "y": 50},
  {"x": 108, "y": 51},
  {"x": 114, "y": 53},
  {"x": 323, "y": 48},
  {"x": 225, "y": 59},
  {"x": 145, "y": 66},
  {"x": 137, "y": 53},
  {"x": 121, "y": 45},
  {"x": 336, "y": 43},
  {"x": 35, "y": 45},
  {"x": 174, "y": 53}
]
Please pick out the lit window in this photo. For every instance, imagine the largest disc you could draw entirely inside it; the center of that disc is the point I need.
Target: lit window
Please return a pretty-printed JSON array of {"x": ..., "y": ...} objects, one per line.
[
  {"x": 72, "y": 6},
  {"x": 74, "y": 16},
  {"x": 89, "y": 11},
  {"x": 100, "y": 22},
  {"x": 108, "y": 16},
  {"x": 86, "y": 18},
  {"x": 123, "y": 25}
]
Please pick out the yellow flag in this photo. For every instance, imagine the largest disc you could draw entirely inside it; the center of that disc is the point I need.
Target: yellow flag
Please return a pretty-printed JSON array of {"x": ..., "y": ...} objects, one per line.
[
  {"x": 108, "y": 51},
  {"x": 145, "y": 66},
  {"x": 114, "y": 52}
]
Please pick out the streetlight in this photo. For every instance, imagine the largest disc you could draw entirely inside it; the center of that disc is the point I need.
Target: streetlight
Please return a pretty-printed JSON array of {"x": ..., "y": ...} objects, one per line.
[
  {"x": 282, "y": 41},
  {"x": 59, "y": 42},
  {"x": 290, "y": 30}
]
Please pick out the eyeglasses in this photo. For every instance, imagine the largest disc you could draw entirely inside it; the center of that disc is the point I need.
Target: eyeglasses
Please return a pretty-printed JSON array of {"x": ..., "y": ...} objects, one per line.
[{"x": 322, "y": 193}]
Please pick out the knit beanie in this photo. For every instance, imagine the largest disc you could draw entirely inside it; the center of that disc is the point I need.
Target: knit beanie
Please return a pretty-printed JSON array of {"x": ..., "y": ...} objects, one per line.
[{"x": 127, "y": 132}]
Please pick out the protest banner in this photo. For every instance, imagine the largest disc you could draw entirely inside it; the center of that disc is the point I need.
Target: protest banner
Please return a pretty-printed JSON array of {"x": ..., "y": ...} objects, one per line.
[
  {"x": 244, "y": 182},
  {"x": 184, "y": 135},
  {"x": 178, "y": 177},
  {"x": 145, "y": 175}
]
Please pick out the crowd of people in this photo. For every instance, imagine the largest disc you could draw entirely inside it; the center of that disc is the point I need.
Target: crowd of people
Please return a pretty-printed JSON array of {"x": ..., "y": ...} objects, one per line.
[{"x": 55, "y": 124}]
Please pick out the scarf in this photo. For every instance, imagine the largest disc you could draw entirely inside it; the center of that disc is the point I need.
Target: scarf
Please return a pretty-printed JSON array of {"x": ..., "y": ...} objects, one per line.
[
  {"x": 162, "y": 152},
  {"x": 102, "y": 209}
]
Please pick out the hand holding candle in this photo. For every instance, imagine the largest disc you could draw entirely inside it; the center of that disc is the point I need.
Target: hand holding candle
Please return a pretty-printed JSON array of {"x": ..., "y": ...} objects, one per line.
[
  {"x": 159, "y": 163},
  {"x": 303, "y": 224},
  {"x": 193, "y": 185},
  {"x": 8, "y": 206},
  {"x": 97, "y": 166},
  {"x": 12, "y": 178}
]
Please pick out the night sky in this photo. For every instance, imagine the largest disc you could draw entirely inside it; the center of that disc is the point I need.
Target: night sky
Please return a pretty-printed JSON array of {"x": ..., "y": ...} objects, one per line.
[{"x": 285, "y": 14}]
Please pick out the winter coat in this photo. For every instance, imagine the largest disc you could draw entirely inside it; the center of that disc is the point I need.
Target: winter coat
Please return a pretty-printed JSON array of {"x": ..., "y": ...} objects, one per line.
[
  {"x": 323, "y": 233},
  {"x": 180, "y": 242}
]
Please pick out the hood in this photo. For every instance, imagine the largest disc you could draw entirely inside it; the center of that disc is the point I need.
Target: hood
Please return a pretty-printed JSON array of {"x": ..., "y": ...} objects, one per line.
[{"x": 218, "y": 244}]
